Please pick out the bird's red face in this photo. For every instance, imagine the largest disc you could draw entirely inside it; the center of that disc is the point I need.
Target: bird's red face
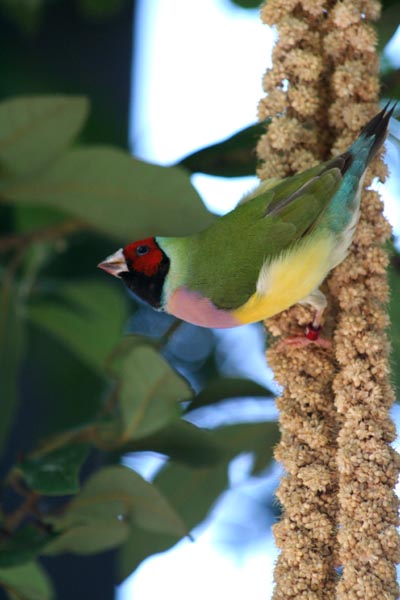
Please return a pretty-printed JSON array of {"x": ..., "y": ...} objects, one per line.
[
  {"x": 143, "y": 267},
  {"x": 144, "y": 256}
]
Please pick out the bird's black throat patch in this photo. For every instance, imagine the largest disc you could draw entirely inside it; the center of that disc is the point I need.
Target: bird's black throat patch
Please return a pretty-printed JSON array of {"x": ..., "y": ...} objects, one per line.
[{"x": 148, "y": 287}]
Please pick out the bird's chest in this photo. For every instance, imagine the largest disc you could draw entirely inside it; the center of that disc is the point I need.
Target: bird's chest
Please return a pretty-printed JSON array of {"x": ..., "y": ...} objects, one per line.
[{"x": 194, "y": 308}]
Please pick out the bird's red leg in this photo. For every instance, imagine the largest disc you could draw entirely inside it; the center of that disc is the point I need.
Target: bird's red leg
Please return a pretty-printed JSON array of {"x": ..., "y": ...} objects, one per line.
[{"x": 311, "y": 335}]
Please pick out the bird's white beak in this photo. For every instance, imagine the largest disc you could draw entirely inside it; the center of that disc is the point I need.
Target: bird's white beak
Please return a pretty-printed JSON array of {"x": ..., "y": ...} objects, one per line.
[{"x": 114, "y": 264}]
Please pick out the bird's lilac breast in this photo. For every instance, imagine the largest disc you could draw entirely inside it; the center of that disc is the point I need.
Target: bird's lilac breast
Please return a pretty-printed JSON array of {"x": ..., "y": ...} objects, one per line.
[{"x": 195, "y": 308}]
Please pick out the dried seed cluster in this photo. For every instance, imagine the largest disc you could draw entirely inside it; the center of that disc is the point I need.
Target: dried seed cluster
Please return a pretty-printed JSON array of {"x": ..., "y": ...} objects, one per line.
[
  {"x": 296, "y": 89},
  {"x": 306, "y": 533},
  {"x": 368, "y": 466},
  {"x": 340, "y": 468},
  {"x": 298, "y": 138}
]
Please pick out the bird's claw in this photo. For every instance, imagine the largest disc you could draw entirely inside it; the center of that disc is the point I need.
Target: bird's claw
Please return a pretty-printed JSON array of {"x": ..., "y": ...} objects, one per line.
[{"x": 310, "y": 336}]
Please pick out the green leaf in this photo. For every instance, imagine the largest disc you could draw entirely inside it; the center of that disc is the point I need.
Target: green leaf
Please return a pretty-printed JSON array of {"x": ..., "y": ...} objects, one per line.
[
  {"x": 29, "y": 218},
  {"x": 387, "y": 3},
  {"x": 125, "y": 346},
  {"x": 12, "y": 343},
  {"x": 35, "y": 129},
  {"x": 181, "y": 441},
  {"x": 100, "y": 10},
  {"x": 95, "y": 536},
  {"x": 228, "y": 387},
  {"x": 233, "y": 157},
  {"x": 66, "y": 393},
  {"x": 56, "y": 473},
  {"x": 120, "y": 494},
  {"x": 121, "y": 196},
  {"x": 388, "y": 23},
  {"x": 258, "y": 438},
  {"x": 247, "y": 3},
  {"x": 26, "y": 14},
  {"x": 149, "y": 393},
  {"x": 87, "y": 316},
  {"x": 390, "y": 81},
  {"x": 140, "y": 545},
  {"x": 24, "y": 545},
  {"x": 192, "y": 493},
  {"x": 27, "y": 582}
]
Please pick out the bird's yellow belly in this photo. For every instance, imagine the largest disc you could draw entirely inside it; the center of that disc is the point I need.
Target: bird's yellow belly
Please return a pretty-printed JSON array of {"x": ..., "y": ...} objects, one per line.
[{"x": 288, "y": 280}]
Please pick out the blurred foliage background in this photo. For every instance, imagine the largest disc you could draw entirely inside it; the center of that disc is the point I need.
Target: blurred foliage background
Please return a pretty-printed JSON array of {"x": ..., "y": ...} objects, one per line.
[{"x": 87, "y": 375}]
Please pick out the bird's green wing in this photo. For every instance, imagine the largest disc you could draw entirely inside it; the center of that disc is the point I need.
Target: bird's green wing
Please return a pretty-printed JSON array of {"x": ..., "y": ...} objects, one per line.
[
  {"x": 225, "y": 260},
  {"x": 306, "y": 202}
]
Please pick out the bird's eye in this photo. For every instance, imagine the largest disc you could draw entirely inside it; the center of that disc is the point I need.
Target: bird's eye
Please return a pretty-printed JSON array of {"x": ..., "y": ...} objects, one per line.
[{"x": 142, "y": 250}]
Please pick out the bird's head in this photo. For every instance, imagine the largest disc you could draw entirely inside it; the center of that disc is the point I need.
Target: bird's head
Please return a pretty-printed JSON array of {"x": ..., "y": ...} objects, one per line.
[{"x": 143, "y": 266}]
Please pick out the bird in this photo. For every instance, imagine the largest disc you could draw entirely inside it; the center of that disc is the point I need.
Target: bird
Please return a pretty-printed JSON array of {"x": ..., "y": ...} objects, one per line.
[{"x": 272, "y": 251}]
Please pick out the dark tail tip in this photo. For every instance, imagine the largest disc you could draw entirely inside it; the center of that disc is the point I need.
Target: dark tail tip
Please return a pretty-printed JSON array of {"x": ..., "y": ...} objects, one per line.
[{"x": 377, "y": 128}]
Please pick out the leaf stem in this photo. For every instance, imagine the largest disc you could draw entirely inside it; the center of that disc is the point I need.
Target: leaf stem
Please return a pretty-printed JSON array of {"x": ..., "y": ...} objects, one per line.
[
  {"x": 164, "y": 339},
  {"x": 28, "y": 507},
  {"x": 7, "y": 284},
  {"x": 21, "y": 240}
]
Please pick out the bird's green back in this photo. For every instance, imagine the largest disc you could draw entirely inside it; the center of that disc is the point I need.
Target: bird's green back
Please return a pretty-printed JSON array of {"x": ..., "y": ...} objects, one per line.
[{"x": 223, "y": 262}]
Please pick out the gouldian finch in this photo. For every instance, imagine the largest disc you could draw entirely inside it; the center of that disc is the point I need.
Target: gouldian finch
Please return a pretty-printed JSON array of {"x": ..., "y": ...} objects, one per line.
[{"x": 269, "y": 253}]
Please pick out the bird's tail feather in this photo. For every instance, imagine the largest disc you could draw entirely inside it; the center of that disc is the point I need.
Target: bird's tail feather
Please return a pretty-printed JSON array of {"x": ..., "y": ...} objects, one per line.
[
  {"x": 376, "y": 129},
  {"x": 352, "y": 164}
]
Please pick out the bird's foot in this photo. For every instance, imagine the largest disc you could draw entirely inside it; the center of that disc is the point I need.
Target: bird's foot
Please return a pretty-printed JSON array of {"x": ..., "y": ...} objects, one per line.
[{"x": 310, "y": 336}]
